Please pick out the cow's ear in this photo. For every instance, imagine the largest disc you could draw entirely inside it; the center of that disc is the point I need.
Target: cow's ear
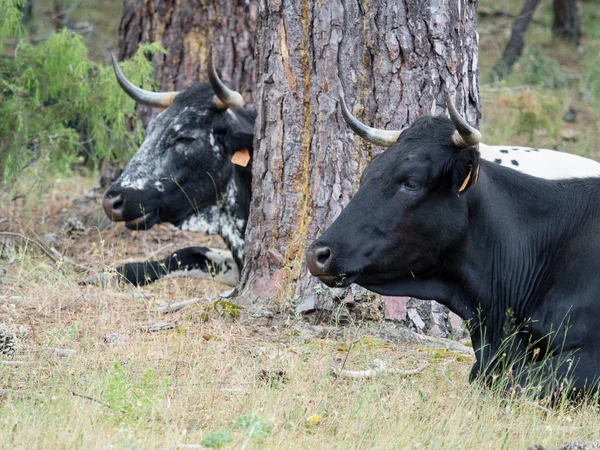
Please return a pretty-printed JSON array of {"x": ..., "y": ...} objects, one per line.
[{"x": 464, "y": 170}]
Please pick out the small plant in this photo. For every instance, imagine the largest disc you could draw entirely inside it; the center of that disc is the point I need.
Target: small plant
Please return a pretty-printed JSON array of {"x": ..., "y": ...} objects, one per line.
[
  {"x": 542, "y": 70},
  {"x": 253, "y": 426},
  {"x": 217, "y": 439},
  {"x": 535, "y": 110},
  {"x": 227, "y": 309},
  {"x": 130, "y": 397}
]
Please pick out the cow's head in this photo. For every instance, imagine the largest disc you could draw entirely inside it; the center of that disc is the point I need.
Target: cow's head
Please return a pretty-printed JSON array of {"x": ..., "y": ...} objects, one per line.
[
  {"x": 409, "y": 211},
  {"x": 183, "y": 170}
]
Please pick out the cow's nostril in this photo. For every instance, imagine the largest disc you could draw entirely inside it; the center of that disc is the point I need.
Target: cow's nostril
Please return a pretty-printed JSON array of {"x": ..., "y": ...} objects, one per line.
[
  {"x": 323, "y": 255},
  {"x": 118, "y": 203},
  {"x": 113, "y": 206},
  {"x": 319, "y": 260}
]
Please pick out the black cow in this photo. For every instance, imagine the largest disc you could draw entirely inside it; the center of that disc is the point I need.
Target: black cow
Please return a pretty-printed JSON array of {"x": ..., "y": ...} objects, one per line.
[
  {"x": 192, "y": 171},
  {"x": 514, "y": 255},
  {"x": 182, "y": 174}
]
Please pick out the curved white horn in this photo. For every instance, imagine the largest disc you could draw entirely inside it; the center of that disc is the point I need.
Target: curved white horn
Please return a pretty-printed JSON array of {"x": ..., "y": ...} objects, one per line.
[
  {"x": 225, "y": 97},
  {"x": 148, "y": 98},
  {"x": 465, "y": 135},
  {"x": 385, "y": 138}
]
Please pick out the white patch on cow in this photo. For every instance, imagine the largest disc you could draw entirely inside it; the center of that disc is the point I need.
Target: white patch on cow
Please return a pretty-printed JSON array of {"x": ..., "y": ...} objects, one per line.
[
  {"x": 206, "y": 222},
  {"x": 228, "y": 277},
  {"x": 220, "y": 219},
  {"x": 138, "y": 184},
  {"x": 542, "y": 163},
  {"x": 144, "y": 166},
  {"x": 234, "y": 237},
  {"x": 216, "y": 148},
  {"x": 159, "y": 186},
  {"x": 224, "y": 269}
]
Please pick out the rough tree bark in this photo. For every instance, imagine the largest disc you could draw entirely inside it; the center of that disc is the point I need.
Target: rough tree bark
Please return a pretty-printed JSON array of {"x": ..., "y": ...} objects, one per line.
[
  {"x": 186, "y": 28},
  {"x": 391, "y": 57},
  {"x": 566, "y": 22}
]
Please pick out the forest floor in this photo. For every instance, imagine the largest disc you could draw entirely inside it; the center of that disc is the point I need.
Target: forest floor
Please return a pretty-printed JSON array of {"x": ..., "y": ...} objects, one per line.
[{"x": 87, "y": 373}]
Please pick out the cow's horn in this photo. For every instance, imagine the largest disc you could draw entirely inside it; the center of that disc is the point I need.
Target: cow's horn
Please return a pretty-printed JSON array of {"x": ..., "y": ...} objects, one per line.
[
  {"x": 157, "y": 99},
  {"x": 224, "y": 97},
  {"x": 386, "y": 138},
  {"x": 465, "y": 135}
]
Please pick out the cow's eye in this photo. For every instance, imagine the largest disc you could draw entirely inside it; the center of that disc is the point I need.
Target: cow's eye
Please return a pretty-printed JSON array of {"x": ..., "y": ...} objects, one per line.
[
  {"x": 185, "y": 138},
  {"x": 410, "y": 185}
]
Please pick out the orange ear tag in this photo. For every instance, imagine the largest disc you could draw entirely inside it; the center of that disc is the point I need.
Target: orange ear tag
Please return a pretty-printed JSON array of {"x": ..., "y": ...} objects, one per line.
[
  {"x": 241, "y": 157},
  {"x": 464, "y": 185}
]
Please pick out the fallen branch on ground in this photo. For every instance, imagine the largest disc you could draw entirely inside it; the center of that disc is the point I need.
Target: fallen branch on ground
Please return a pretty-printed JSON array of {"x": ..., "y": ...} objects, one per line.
[
  {"x": 174, "y": 307},
  {"x": 157, "y": 326},
  {"x": 379, "y": 368},
  {"x": 132, "y": 294},
  {"x": 93, "y": 399},
  {"x": 30, "y": 241}
]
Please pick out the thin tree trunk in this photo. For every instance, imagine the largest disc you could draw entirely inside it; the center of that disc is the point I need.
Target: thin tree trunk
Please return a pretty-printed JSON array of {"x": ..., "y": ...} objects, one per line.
[
  {"x": 515, "y": 45},
  {"x": 392, "y": 58},
  {"x": 566, "y": 20}
]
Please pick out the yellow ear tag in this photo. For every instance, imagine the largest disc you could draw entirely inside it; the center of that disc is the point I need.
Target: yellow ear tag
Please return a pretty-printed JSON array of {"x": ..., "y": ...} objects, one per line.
[
  {"x": 241, "y": 157},
  {"x": 464, "y": 185}
]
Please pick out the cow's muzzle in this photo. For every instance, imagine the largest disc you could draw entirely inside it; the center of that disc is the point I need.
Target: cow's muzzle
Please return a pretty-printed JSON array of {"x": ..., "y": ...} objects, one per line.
[{"x": 319, "y": 259}]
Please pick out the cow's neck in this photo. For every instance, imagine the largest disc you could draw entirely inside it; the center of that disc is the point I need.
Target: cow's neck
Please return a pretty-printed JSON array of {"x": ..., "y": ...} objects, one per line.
[
  {"x": 234, "y": 215},
  {"x": 227, "y": 217},
  {"x": 517, "y": 233}
]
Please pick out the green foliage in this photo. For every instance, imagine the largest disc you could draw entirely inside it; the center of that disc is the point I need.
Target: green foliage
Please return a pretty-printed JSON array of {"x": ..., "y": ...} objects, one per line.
[
  {"x": 589, "y": 84},
  {"x": 254, "y": 426},
  {"x": 57, "y": 107},
  {"x": 131, "y": 397},
  {"x": 534, "y": 110},
  {"x": 217, "y": 439},
  {"x": 10, "y": 19},
  {"x": 543, "y": 70}
]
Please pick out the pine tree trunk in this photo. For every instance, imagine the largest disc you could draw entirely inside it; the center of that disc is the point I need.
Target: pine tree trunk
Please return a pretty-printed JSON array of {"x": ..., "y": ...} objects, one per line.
[
  {"x": 515, "y": 45},
  {"x": 186, "y": 29},
  {"x": 566, "y": 20},
  {"x": 391, "y": 57}
]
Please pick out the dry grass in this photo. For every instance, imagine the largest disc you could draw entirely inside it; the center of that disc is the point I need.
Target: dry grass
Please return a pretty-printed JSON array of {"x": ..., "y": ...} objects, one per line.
[{"x": 214, "y": 379}]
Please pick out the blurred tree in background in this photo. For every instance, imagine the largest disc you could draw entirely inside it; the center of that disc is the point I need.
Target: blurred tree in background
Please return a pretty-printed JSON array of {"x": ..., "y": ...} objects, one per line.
[{"x": 57, "y": 107}]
